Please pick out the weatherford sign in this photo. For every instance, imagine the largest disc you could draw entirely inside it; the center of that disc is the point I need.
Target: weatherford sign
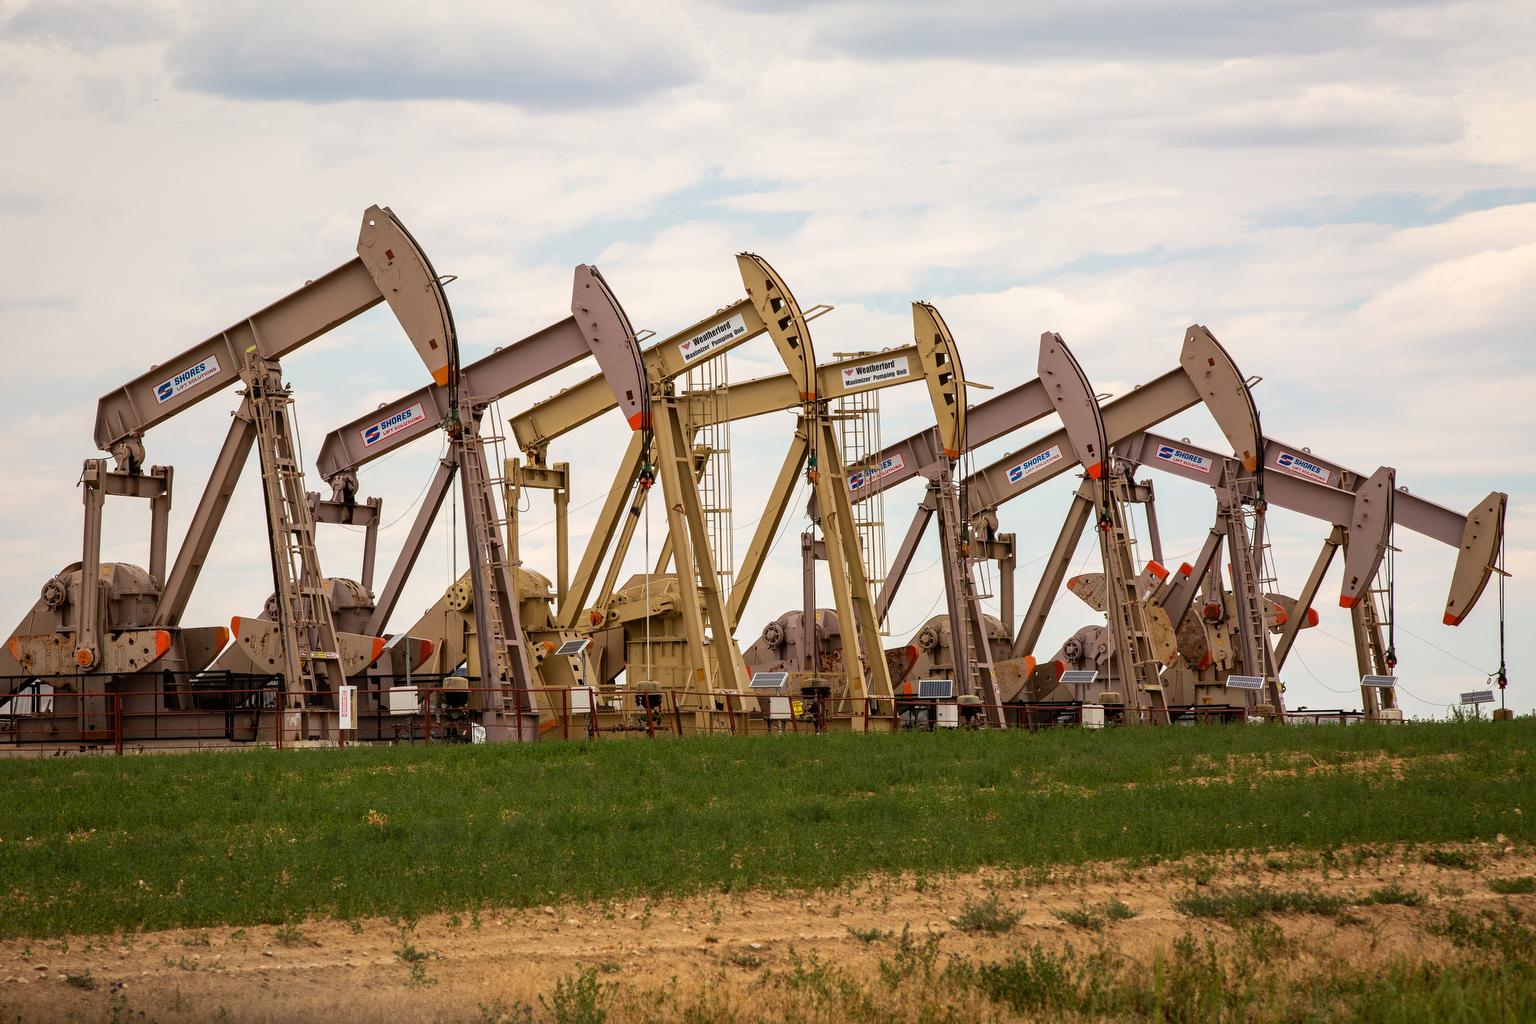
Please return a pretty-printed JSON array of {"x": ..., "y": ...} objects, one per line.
[
  {"x": 877, "y": 372},
  {"x": 705, "y": 342}
]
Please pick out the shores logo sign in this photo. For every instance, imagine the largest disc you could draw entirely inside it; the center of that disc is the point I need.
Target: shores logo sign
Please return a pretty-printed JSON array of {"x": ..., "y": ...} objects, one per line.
[
  {"x": 705, "y": 342},
  {"x": 391, "y": 425},
  {"x": 863, "y": 478},
  {"x": 1034, "y": 464},
  {"x": 1305, "y": 468},
  {"x": 878, "y": 372},
  {"x": 1180, "y": 457},
  {"x": 191, "y": 377}
]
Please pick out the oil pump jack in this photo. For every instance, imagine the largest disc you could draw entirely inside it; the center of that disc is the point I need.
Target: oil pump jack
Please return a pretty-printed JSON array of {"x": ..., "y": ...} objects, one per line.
[
  {"x": 695, "y": 654},
  {"x": 498, "y": 612},
  {"x": 107, "y": 637},
  {"x": 1362, "y": 512},
  {"x": 866, "y": 691},
  {"x": 796, "y": 634}
]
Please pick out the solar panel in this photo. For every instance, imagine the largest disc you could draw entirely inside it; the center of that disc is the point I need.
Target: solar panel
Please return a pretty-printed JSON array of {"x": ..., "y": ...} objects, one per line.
[
  {"x": 768, "y": 680},
  {"x": 1079, "y": 677},
  {"x": 935, "y": 689},
  {"x": 571, "y": 648},
  {"x": 1245, "y": 682},
  {"x": 1379, "y": 682},
  {"x": 1477, "y": 697}
]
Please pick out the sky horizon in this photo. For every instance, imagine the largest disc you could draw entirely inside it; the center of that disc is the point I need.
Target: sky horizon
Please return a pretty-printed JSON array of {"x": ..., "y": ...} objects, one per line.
[{"x": 1344, "y": 193}]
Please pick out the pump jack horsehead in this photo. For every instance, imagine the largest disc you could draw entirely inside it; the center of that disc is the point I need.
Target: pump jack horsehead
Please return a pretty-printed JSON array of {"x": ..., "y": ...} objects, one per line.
[{"x": 107, "y": 637}]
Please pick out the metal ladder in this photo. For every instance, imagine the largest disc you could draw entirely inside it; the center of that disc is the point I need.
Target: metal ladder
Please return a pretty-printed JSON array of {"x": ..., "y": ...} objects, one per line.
[
  {"x": 311, "y": 655},
  {"x": 1371, "y": 622},
  {"x": 1249, "y": 584},
  {"x": 967, "y": 627},
  {"x": 1136, "y": 663},
  {"x": 863, "y": 660},
  {"x": 503, "y": 649}
]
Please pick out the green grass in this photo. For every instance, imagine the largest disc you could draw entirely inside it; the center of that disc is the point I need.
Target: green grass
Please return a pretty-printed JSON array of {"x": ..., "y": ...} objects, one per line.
[
  {"x": 1521, "y": 886},
  {"x": 269, "y": 837}
]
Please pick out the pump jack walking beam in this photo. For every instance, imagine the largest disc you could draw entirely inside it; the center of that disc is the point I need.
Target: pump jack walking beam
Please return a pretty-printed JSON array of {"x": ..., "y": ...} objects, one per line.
[{"x": 1357, "y": 503}]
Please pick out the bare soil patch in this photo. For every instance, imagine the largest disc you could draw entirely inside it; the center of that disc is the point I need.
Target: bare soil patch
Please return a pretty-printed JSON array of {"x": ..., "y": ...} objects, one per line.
[{"x": 474, "y": 967}]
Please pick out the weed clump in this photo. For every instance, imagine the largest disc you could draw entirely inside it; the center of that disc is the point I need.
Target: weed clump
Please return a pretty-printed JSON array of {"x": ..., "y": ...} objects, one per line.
[
  {"x": 1095, "y": 918},
  {"x": 1392, "y": 895},
  {"x": 1250, "y": 902},
  {"x": 1452, "y": 859},
  {"x": 579, "y": 999},
  {"x": 987, "y": 916}
]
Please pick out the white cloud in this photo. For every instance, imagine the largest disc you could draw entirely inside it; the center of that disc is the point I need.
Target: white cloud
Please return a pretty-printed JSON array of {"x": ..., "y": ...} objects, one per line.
[{"x": 539, "y": 56}]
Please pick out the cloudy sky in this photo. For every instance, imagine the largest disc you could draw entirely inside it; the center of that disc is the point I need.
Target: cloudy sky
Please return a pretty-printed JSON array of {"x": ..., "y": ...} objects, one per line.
[{"x": 1344, "y": 192}]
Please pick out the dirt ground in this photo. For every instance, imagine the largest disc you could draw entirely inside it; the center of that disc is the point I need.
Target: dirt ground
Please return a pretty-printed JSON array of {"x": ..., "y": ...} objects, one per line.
[{"x": 456, "y": 967}]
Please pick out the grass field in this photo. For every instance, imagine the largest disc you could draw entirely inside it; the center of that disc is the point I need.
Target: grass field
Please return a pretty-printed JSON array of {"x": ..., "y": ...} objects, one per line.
[{"x": 140, "y": 843}]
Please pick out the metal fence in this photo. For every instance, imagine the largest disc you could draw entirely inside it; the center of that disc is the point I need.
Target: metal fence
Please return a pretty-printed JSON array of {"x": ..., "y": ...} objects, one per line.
[{"x": 187, "y": 711}]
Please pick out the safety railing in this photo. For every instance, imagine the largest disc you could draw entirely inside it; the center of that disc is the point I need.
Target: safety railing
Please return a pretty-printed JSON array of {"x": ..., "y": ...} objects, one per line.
[{"x": 200, "y": 710}]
